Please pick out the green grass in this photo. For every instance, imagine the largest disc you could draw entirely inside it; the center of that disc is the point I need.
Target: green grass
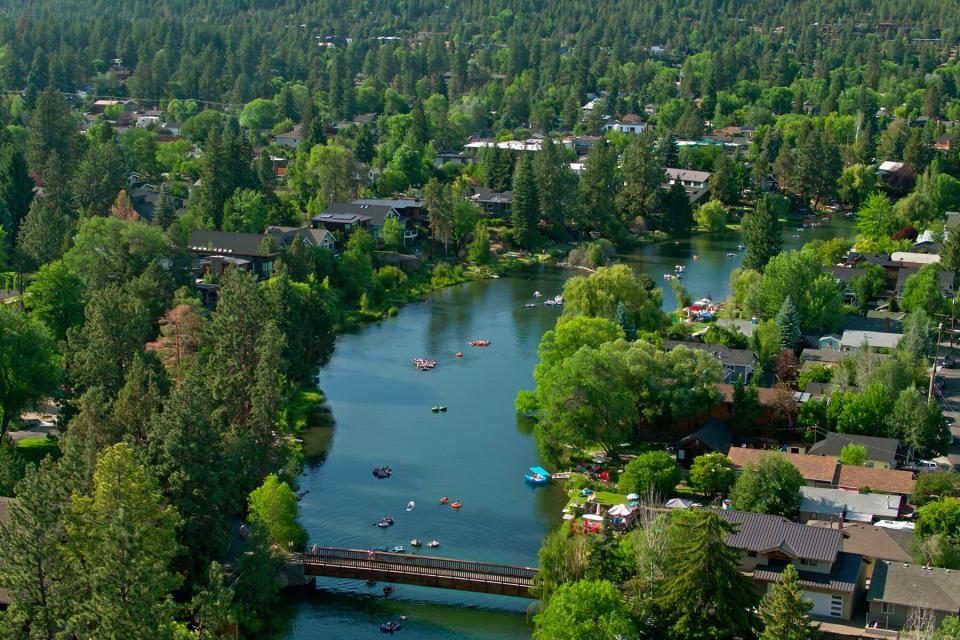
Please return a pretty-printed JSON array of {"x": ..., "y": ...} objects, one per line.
[
  {"x": 300, "y": 407},
  {"x": 36, "y": 449}
]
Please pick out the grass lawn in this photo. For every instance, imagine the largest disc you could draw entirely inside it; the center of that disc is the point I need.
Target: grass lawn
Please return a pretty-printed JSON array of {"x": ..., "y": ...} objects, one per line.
[
  {"x": 36, "y": 449},
  {"x": 304, "y": 402}
]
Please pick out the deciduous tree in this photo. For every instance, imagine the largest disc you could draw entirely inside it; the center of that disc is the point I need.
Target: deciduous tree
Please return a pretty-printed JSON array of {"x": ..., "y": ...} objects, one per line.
[
  {"x": 584, "y": 609},
  {"x": 29, "y": 363},
  {"x": 770, "y": 486},
  {"x": 652, "y": 472}
]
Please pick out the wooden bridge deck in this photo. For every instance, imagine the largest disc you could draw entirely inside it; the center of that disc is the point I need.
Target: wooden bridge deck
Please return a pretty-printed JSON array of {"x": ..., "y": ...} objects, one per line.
[{"x": 401, "y": 568}]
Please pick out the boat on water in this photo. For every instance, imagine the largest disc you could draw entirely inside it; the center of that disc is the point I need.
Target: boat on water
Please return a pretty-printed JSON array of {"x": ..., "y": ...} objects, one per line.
[
  {"x": 387, "y": 590},
  {"x": 537, "y": 475},
  {"x": 397, "y": 549},
  {"x": 411, "y": 505},
  {"x": 433, "y": 544},
  {"x": 456, "y": 505},
  {"x": 459, "y": 354},
  {"x": 385, "y": 522},
  {"x": 393, "y": 625},
  {"x": 537, "y": 294},
  {"x": 529, "y": 305},
  {"x": 444, "y": 500},
  {"x": 731, "y": 254},
  {"x": 382, "y": 472},
  {"x": 679, "y": 268},
  {"x": 555, "y": 301},
  {"x": 438, "y": 408},
  {"x": 415, "y": 543},
  {"x": 479, "y": 343},
  {"x": 423, "y": 364},
  {"x": 696, "y": 257}
]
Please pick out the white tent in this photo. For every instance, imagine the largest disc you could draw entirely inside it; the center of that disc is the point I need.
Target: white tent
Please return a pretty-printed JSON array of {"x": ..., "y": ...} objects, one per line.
[
  {"x": 593, "y": 517},
  {"x": 678, "y": 503},
  {"x": 621, "y": 510}
]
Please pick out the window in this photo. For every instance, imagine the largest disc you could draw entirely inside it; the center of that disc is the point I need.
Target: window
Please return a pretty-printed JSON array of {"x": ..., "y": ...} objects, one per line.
[
  {"x": 752, "y": 554},
  {"x": 808, "y": 563},
  {"x": 888, "y": 608}
]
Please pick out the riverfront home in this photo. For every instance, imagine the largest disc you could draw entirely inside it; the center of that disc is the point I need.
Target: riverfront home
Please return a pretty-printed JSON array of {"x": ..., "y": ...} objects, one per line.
[
  {"x": 219, "y": 250},
  {"x": 830, "y": 578},
  {"x": 737, "y": 363}
]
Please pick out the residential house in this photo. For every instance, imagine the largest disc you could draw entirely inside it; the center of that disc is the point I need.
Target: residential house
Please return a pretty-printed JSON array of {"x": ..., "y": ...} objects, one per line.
[
  {"x": 853, "y": 339},
  {"x": 882, "y": 321},
  {"x": 945, "y": 280},
  {"x": 897, "y": 589},
  {"x": 817, "y": 471},
  {"x": 943, "y": 143},
  {"x": 319, "y": 238},
  {"x": 496, "y": 204},
  {"x": 713, "y": 436},
  {"x": 911, "y": 258},
  {"x": 872, "y": 542},
  {"x": 837, "y": 505},
  {"x": 376, "y": 215},
  {"x": 291, "y": 139},
  {"x": 875, "y": 479},
  {"x": 623, "y": 126},
  {"x": 889, "y": 167},
  {"x": 218, "y": 250},
  {"x": 846, "y": 276},
  {"x": 144, "y": 199},
  {"x": 340, "y": 222},
  {"x": 695, "y": 183},
  {"x": 744, "y": 327},
  {"x": 881, "y": 453},
  {"x": 737, "y": 363},
  {"x": 833, "y": 580}
]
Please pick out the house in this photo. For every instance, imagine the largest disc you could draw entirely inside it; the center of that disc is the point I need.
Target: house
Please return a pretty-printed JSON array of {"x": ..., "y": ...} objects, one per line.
[
  {"x": 833, "y": 580},
  {"x": 624, "y": 126},
  {"x": 737, "y": 363},
  {"x": 319, "y": 238},
  {"x": 830, "y": 341},
  {"x": 817, "y": 471},
  {"x": 344, "y": 223},
  {"x": 713, "y": 436},
  {"x": 144, "y": 198},
  {"x": 144, "y": 122},
  {"x": 899, "y": 588},
  {"x": 881, "y": 452},
  {"x": 943, "y": 143},
  {"x": 872, "y": 542},
  {"x": 913, "y": 258},
  {"x": 837, "y": 505},
  {"x": 496, "y": 204},
  {"x": 853, "y": 339},
  {"x": 218, "y": 250},
  {"x": 846, "y": 276},
  {"x": 375, "y": 214},
  {"x": 291, "y": 139},
  {"x": 888, "y": 167},
  {"x": 689, "y": 178},
  {"x": 875, "y": 479},
  {"x": 882, "y": 321},
  {"x": 945, "y": 281},
  {"x": 744, "y": 327}
]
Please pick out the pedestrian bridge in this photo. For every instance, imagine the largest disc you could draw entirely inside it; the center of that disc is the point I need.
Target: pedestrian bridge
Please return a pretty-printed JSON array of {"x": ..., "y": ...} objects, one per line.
[{"x": 427, "y": 571}]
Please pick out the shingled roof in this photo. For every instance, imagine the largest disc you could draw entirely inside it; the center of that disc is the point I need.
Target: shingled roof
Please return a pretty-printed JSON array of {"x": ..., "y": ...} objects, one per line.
[
  {"x": 812, "y": 468},
  {"x": 911, "y": 585},
  {"x": 762, "y": 533}
]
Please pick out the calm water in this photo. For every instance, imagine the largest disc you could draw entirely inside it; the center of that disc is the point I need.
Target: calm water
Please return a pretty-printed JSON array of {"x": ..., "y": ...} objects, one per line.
[{"x": 477, "y": 452}]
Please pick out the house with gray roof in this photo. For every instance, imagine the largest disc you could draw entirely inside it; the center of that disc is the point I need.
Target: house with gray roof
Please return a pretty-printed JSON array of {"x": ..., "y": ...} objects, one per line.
[
  {"x": 881, "y": 452},
  {"x": 854, "y": 339},
  {"x": 737, "y": 363},
  {"x": 899, "y": 588},
  {"x": 218, "y": 250},
  {"x": 831, "y": 579},
  {"x": 837, "y": 505}
]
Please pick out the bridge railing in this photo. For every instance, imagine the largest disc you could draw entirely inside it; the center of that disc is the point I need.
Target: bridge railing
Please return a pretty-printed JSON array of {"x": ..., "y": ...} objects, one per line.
[{"x": 423, "y": 565}]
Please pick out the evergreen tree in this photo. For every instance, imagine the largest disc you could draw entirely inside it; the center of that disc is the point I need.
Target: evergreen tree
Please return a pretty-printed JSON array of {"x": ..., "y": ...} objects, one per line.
[
  {"x": 99, "y": 177},
  {"x": 950, "y": 252},
  {"x": 761, "y": 233},
  {"x": 52, "y": 130},
  {"x": 788, "y": 323},
  {"x": 626, "y": 322},
  {"x": 555, "y": 182},
  {"x": 120, "y": 540},
  {"x": 526, "y": 203},
  {"x": 667, "y": 150},
  {"x": 704, "y": 595},
  {"x": 745, "y": 407},
  {"x": 600, "y": 186},
  {"x": 45, "y": 232},
  {"x": 163, "y": 212},
  {"x": 677, "y": 212},
  {"x": 16, "y": 186},
  {"x": 643, "y": 174},
  {"x": 311, "y": 126},
  {"x": 785, "y": 612},
  {"x": 496, "y": 165}
]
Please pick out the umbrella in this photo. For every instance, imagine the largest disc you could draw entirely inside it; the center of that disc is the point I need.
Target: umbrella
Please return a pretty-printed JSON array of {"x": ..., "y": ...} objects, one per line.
[
  {"x": 633, "y": 496},
  {"x": 594, "y": 517},
  {"x": 620, "y": 510}
]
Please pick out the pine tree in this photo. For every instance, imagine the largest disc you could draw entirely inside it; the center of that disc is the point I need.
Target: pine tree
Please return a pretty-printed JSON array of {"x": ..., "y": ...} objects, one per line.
[
  {"x": 950, "y": 252},
  {"x": 677, "y": 212},
  {"x": 761, "y": 234},
  {"x": 600, "y": 185},
  {"x": 16, "y": 186},
  {"x": 364, "y": 144},
  {"x": 122, "y": 208},
  {"x": 555, "y": 182},
  {"x": 642, "y": 174},
  {"x": 788, "y": 322},
  {"x": 705, "y": 596},
  {"x": 785, "y": 612},
  {"x": 526, "y": 203},
  {"x": 163, "y": 211},
  {"x": 626, "y": 321},
  {"x": 44, "y": 233},
  {"x": 667, "y": 150},
  {"x": 51, "y": 130}
]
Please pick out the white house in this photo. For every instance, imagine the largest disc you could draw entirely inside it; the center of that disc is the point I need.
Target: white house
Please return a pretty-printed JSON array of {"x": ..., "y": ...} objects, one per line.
[{"x": 635, "y": 128}]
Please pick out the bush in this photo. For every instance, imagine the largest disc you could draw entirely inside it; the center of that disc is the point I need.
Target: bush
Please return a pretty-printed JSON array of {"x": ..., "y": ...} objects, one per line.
[{"x": 273, "y": 506}]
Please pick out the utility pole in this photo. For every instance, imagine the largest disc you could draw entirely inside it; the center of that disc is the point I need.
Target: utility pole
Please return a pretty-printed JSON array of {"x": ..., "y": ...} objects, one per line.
[{"x": 936, "y": 358}]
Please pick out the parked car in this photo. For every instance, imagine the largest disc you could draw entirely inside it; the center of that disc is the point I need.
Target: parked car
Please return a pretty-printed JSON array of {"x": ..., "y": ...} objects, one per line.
[{"x": 923, "y": 465}]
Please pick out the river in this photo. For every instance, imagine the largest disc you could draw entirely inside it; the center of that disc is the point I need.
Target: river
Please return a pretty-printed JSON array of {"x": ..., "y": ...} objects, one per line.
[{"x": 476, "y": 453}]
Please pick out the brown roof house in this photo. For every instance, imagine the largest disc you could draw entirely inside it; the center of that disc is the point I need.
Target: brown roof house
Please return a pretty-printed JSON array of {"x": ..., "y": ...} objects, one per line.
[
  {"x": 818, "y": 471},
  {"x": 882, "y": 480},
  {"x": 830, "y": 578}
]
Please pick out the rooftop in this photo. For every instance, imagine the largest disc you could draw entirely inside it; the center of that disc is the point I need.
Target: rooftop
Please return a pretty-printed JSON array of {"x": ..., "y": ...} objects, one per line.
[
  {"x": 911, "y": 585},
  {"x": 688, "y": 175},
  {"x": 873, "y": 542},
  {"x": 882, "y": 449},
  {"x": 762, "y": 533},
  {"x": 228, "y": 243},
  {"x": 853, "y": 338},
  {"x": 849, "y": 505},
  {"x": 740, "y": 357},
  {"x": 714, "y": 434},
  {"x": 887, "y": 480},
  {"x": 844, "y": 573},
  {"x": 812, "y": 468}
]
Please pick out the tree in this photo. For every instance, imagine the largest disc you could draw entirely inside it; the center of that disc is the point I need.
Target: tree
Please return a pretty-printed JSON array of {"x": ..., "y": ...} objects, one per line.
[
  {"x": 918, "y": 424},
  {"x": 122, "y": 208},
  {"x": 164, "y": 212},
  {"x": 934, "y": 485},
  {"x": 29, "y": 363},
  {"x": 438, "y": 198},
  {"x": 857, "y": 182},
  {"x": 704, "y": 595},
  {"x": 677, "y": 212},
  {"x": 45, "y": 231},
  {"x": 526, "y": 204},
  {"x": 479, "y": 250},
  {"x": 273, "y": 506},
  {"x": 817, "y": 296},
  {"x": 100, "y": 176},
  {"x": 724, "y": 185},
  {"x": 392, "y": 234},
  {"x": 584, "y": 609},
  {"x": 950, "y": 253},
  {"x": 761, "y": 234},
  {"x": 599, "y": 187},
  {"x": 788, "y": 322},
  {"x": 922, "y": 291},
  {"x": 853, "y": 454},
  {"x": 745, "y": 407},
  {"x": 652, "y": 472},
  {"x": 55, "y": 296},
  {"x": 598, "y": 295},
  {"x": 875, "y": 217},
  {"x": 556, "y": 183},
  {"x": 785, "y": 612},
  {"x": 870, "y": 285},
  {"x": 770, "y": 486},
  {"x": 245, "y": 212},
  {"x": 52, "y": 130},
  {"x": 712, "y": 216},
  {"x": 120, "y": 540},
  {"x": 643, "y": 175},
  {"x": 16, "y": 186},
  {"x": 712, "y": 474},
  {"x": 939, "y": 517}
]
